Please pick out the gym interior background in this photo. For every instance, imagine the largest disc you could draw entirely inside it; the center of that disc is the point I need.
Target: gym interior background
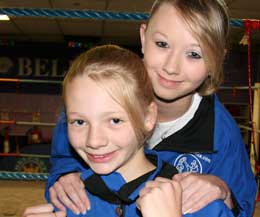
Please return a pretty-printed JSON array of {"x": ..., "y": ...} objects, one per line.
[{"x": 36, "y": 47}]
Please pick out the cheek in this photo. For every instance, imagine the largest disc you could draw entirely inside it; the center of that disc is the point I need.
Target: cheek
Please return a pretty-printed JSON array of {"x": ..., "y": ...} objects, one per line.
[
  {"x": 152, "y": 55},
  {"x": 76, "y": 140},
  {"x": 152, "y": 64},
  {"x": 197, "y": 74},
  {"x": 147, "y": 60},
  {"x": 134, "y": 144},
  {"x": 126, "y": 139}
]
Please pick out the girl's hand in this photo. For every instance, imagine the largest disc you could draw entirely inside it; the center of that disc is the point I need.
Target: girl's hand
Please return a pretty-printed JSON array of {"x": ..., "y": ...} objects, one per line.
[
  {"x": 200, "y": 190},
  {"x": 161, "y": 197},
  {"x": 44, "y": 210},
  {"x": 70, "y": 191}
]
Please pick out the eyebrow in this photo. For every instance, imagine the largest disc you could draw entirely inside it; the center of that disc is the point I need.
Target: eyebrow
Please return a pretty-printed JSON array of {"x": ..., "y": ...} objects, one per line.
[
  {"x": 106, "y": 113},
  {"x": 160, "y": 33},
  {"x": 75, "y": 113},
  {"x": 195, "y": 45}
]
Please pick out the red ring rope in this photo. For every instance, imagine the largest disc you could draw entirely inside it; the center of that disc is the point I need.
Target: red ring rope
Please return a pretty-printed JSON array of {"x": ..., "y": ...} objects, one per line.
[{"x": 250, "y": 25}]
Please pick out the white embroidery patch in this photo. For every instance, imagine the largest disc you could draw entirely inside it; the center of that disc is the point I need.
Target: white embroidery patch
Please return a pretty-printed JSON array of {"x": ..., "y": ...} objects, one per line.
[
  {"x": 203, "y": 157},
  {"x": 188, "y": 163}
]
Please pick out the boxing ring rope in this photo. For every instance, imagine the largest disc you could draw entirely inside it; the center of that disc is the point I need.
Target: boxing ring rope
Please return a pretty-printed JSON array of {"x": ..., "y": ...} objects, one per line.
[
  {"x": 248, "y": 128},
  {"x": 14, "y": 80},
  {"x": 238, "y": 88},
  {"x": 5, "y": 175},
  {"x": 59, "y": 82},
  {"x": 27, "y": 123},
  {"x": 24, "y": 155},
  {"x": 85, "y": 14},
  {"x": 72, "y": 14},
  {"x": 7, "y": 122},
  {"x": 249, "y": 27}
]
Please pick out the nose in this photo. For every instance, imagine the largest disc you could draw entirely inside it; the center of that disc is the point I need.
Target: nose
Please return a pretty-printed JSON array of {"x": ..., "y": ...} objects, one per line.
[
  {"x": 171, "y": 63},
  {"x": 96, "y": 138}
]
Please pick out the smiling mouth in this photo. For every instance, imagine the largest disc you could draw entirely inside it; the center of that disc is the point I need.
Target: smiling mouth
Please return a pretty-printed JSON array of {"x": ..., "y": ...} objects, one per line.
[
  {"x": 168, "y": 83},
  {"x": 101, "y": 158}
]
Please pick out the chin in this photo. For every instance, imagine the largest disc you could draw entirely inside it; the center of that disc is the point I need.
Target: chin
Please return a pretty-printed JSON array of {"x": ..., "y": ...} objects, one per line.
[{"x": 102, "y": 171}]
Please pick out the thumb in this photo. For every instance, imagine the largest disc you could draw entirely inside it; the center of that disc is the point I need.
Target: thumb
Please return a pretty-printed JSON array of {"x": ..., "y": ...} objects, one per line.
[
  {"x": 138, "y": 204},
  {"x": 60, "y": 214}
]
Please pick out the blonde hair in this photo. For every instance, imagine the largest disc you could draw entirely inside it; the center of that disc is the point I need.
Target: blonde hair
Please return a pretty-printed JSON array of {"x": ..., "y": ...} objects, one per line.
[
  {"x": 123, "y": 75},
  {"x": 209, "y": 23}
]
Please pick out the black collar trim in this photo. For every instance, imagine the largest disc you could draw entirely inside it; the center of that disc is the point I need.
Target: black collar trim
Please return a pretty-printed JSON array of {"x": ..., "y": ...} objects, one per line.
[
  {"x": 198, "y": 135},
  {"x": 96, "y": 186}
]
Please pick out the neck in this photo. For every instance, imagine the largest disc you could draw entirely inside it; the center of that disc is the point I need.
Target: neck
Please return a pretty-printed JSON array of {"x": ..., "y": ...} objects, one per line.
[
  {"x": 171, "y": 111},
  {"x": 137, "y": 166}
]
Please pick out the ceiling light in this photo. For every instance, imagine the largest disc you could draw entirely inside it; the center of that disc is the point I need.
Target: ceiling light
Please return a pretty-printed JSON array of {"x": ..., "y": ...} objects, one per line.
[{"x": 4, "y": 17}]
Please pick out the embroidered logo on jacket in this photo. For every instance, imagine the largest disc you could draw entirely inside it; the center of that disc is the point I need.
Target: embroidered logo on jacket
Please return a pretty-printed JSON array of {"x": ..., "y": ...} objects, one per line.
[{"x": 188, "y": 163}]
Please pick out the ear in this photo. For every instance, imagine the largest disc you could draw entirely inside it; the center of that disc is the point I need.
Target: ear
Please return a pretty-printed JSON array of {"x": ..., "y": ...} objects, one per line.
[
  {"x": 142, "y": 36},
  {"x": 151, "y": 117}
]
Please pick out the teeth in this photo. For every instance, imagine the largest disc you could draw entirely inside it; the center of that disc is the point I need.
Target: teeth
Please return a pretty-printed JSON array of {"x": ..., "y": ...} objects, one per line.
[{"x": 98, "y": 156}]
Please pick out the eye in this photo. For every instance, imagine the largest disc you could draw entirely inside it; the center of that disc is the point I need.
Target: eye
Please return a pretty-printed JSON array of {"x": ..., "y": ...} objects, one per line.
[
  {"x": 194, "y": 55},
  {"x": 78, "y": 122},
  {"x": 162, "y": 44},
  {"x": 116, "y": 121}
]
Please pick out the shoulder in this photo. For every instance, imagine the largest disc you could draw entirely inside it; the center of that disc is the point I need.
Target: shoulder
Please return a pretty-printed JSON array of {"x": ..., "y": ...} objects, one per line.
[
  {"x": 226, "y": 130},
  {"x": 221, "y": 111},
  {"x": 223, "y": 119}
]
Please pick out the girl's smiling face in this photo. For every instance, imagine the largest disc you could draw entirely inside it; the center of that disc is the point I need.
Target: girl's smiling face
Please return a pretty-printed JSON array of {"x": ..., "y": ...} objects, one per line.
[
  {"x": 172, "y": 55},
  {"x": 99, "y": 128}
]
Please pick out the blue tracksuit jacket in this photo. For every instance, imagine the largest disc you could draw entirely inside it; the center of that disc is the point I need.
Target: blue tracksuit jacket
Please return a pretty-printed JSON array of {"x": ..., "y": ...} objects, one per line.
[
  {"x": 210, "y": 143},
  {"x": 111, "y": 196}
]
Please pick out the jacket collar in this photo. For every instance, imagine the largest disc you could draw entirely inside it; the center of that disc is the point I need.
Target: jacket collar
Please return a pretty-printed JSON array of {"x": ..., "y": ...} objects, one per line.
[
  {"x": 97, "y": 186},
  {"x": 197, "y": 135}
]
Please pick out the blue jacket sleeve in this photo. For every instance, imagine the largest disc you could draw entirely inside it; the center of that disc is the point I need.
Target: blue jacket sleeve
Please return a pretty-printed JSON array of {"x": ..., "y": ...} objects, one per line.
[
  {"x": 215, "y": 209},
  {"x": 63, "y": 159},
  {"x": 232, "y": 162}
]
